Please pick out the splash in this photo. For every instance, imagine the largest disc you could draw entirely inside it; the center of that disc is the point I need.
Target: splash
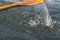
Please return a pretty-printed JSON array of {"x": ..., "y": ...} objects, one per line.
[
  {"x": 34, "y": 22},
  {"x": 48, "y": 20},
  {"x": 44, "y": 15}
]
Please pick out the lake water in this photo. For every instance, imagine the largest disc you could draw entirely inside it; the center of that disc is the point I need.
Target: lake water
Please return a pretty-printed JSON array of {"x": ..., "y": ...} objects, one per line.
[{"x": 29, "y": 23}]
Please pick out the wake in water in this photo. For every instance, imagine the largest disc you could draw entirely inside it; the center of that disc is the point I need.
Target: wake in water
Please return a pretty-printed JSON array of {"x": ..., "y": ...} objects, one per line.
[
  {"x": 44, "y": 15},
  {"x": 41, "y": 15}
]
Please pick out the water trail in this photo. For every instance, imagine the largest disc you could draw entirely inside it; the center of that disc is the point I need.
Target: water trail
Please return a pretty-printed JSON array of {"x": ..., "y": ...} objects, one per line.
[
  {"x": 48, "y": 20},
  {"x": 44, "y": 14}
]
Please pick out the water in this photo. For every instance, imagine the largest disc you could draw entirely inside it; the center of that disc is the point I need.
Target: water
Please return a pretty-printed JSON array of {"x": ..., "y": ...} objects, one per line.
[
  {"x": 29, "y": 23},
  {"x": 11, "y": 0},
  {"x": 44, "y": 14}
]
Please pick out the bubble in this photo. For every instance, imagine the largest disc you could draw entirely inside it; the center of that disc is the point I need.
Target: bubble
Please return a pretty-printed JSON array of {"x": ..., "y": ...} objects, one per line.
[{"x": 33, "y": 23}]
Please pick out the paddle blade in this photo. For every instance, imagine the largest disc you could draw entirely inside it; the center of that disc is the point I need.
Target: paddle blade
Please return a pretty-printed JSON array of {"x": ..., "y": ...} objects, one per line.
[{"x": 33, "y": 2}]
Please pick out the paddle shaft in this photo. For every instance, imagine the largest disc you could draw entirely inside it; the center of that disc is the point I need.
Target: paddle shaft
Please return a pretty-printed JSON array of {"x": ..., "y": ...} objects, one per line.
[
  {"x": 25, "y": 3},
  {"x": 8, "y": 6}
]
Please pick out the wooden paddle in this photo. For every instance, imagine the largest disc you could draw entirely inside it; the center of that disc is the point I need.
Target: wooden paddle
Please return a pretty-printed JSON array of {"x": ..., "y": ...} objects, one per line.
[{"x": 23, "y": 3}]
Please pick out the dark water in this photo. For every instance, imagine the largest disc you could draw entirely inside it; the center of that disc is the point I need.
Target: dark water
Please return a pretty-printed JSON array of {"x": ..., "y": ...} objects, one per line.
[{"x": 14, "y": 25}]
